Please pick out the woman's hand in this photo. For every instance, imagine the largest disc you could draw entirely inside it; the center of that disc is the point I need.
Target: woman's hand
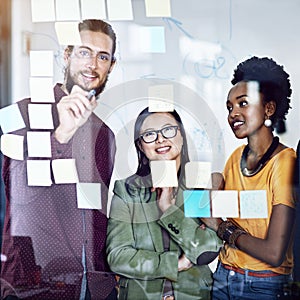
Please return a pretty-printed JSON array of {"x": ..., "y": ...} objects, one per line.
[
  {"x": 165, "y": 197},
  {"x": 212, "y": 223},
  {"x": 184, "y": 263}
]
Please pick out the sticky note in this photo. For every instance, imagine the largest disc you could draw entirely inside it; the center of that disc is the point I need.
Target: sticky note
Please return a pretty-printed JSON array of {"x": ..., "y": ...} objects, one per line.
[
  {"x": 64, "y": 171},
  {"x": 11, "y": 118},
  {"x": 12, "y": 146},
  {"x": 196, "y": 203},
  {"x": 161, "y": 98},
  {"x": 163, "y": 173},
  {"x": 152, "y": 39},
  {"x": 93, "y": 9},
  {"x": 41, "y": 89},
  {"x": 89, "y": 195},
  {"x": 198, "y": 174},
  {"x": 253, "y": 204},
  {"x": 38, "y": 144},
  {"x": 40, "y": 116},
  {"x": 41, "y": 63},
  {"x": 67, "y": 10},
  {"x": 253, "y": 91},
  {"x": 39, "y": 173},
  {"x": 119, "y": 10},
  {"x": 67, "y": 33},
  {"x": 225, "y": 204},
  {"x": 42, "y": 10},
  {"x": 158, "y": 8}
]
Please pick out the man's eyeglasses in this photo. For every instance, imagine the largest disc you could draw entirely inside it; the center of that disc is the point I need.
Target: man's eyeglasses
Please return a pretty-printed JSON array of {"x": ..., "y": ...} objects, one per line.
[
  {"x": 167, "y": 132},
  {"x": 87, "y": 53}
]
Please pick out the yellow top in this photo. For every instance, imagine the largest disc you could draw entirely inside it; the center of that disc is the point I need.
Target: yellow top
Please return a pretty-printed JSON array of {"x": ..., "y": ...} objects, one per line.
[{"x": 277, "y": 179}]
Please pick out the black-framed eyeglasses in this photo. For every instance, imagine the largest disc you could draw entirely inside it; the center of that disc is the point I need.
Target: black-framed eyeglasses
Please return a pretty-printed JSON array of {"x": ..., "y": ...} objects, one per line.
[
  {"x": 87, "y": 53},
  {"x": 152, "y": 135}
]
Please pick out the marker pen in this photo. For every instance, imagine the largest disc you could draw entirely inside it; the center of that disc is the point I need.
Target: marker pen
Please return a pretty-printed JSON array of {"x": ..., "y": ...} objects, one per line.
[{"x": 91, "y": 94}]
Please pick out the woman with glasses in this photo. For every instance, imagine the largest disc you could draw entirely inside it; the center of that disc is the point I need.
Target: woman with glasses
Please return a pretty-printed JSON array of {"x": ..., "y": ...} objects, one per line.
[{"x": 158, "y": 252}]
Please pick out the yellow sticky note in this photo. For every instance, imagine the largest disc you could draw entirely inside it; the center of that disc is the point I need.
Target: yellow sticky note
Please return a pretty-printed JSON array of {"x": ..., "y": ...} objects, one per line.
[
  {"x": 198, "y": 174},
  {"x": 161, "y": 98},
  {"x": 38, "y": 144},
  {"x": 12, "y": 146},
  {"x": 163, "y": 173},
  {"x": 41, "y": 63},
  {"x": 41, "y": 89},
  {"x": 119, "y": 10},
  {"x": 64, "y": 171},
  {"x": 93, "y": 9},
  {"x": 40, "y": 116},
  {"x": 67, "y": 10},
  {"x": 67, "y": 33},
  {"x": 158, "y": 8},
  {"x": 42, "y": 10},
  {"x": 39, "y": 173}
]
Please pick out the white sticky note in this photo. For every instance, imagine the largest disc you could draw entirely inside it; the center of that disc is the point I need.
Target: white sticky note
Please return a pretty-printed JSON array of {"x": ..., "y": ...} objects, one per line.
[
  {"x": 67, "y": 10},
  {"x": 163, "y": 173},
  {"x": 160, "y": 105},
  {"x": 12, "y": 146},
  {"x": 93, "y": 9},
  {"x": 225, "y": 204},
  {"x": 253, "y": 204},
  {"x": 11, "y": 118},
  {"x": 198, "y": 174},
  {"x": 41, "y": 89},
  {"x": 41, "y": 63},
  {"x": 40, "y": 116},
  {"x": 64, "y": 171},
  {"x": 152, "y": 39},
  {"x": 67, "y": 33},
  {"x": 39, "y": 173},
  {"x": 38, "y": 144},
  {"x": 118, "y": 10},
  {"x": 161, "y": 98},
  {"x": 158, "y": 8},
  {"x": 42, "y": 10},
  {"x": 89, "y": 195}
]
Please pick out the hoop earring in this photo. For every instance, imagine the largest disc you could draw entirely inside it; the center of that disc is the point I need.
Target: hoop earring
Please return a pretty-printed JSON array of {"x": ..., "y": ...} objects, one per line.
[{"x": 268, "y": 122}]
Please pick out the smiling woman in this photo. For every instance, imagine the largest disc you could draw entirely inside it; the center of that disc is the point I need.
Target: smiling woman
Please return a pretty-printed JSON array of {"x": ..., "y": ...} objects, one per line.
[
  {"x": 257, "y": 260},
  {"x": 150, "y": 243},
  {"x": 161, "y": 144}
]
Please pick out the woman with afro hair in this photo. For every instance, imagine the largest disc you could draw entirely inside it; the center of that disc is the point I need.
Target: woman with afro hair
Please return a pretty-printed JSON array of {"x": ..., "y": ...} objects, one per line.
[{"x": 257, "y": 259}]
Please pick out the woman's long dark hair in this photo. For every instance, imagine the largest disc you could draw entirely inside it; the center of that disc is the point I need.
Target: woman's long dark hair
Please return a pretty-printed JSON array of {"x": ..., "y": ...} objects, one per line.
[{"x": 143, "y": 169}]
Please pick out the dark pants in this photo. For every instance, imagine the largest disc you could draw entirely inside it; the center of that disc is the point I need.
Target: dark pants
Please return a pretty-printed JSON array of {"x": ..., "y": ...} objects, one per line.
[{"x": 112, "y": 296}]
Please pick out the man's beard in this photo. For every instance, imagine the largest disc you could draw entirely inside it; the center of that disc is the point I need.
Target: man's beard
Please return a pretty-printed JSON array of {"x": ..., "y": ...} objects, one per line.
[{"x": 69, "y": 83}]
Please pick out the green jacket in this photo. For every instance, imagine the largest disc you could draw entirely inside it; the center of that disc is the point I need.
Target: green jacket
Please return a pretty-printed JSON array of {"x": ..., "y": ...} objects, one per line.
[{"x": 135, "y": 246}]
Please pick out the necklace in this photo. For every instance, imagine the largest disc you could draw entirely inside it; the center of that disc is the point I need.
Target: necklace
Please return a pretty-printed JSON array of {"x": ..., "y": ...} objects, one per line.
[{"x": 261, "y": 162}]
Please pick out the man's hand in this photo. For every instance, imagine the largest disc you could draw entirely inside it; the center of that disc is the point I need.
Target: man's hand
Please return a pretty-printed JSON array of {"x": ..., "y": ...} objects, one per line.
[{"x": 73, "y": 111}]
